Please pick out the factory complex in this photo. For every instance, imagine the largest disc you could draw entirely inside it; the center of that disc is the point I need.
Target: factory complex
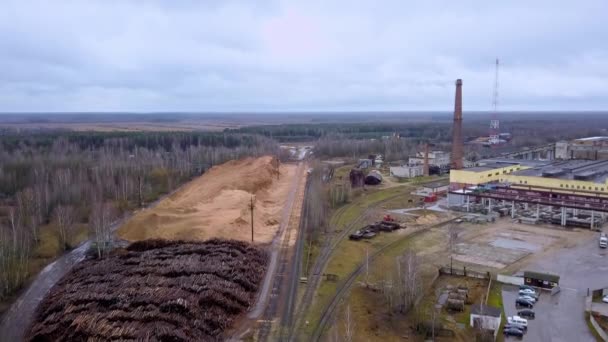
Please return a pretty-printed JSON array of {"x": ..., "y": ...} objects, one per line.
[{"x": 566, "y": 192}]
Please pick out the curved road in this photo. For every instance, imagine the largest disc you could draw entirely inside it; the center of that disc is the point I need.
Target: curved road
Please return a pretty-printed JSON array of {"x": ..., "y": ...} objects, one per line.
[{"x": 15, "y": 321}]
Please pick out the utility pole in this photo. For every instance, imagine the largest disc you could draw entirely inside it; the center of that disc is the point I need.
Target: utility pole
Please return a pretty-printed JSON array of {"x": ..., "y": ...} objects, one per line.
[{"x": 251, "y": 206}]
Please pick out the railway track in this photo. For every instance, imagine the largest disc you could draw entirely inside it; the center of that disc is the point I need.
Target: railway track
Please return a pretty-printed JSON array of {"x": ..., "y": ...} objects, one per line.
[
  {"x": 347, "y": 283},
  {"x": 280, "y": 281},
  {"x": 321, "y": 262},
  {"x": 296, "y": 265}
]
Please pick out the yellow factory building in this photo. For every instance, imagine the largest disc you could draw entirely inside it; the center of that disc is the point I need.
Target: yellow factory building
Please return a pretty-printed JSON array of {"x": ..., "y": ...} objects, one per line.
[{"x": 573, "y": 176}]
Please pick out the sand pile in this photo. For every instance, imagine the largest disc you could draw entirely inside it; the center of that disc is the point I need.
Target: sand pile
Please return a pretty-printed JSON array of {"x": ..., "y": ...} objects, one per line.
[
  {"x": 217, "y": 205},
  {"x": 428, "y": 219}
]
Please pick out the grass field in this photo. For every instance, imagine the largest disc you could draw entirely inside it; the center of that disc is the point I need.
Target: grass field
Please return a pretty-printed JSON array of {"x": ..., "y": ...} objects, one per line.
[{"x": 349, "y": 254}]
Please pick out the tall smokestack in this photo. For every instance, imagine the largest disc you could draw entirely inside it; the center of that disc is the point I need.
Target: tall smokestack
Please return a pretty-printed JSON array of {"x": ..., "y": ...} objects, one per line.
[
  {"x": 457, "y": 143},
  {"x": 426, "y": 159}
]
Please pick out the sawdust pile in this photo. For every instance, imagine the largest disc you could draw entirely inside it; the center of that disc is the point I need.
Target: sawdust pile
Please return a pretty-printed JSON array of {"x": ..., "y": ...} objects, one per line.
[
  {"x": 217, "y": 205},
  {"x": 428, "y": 219}
]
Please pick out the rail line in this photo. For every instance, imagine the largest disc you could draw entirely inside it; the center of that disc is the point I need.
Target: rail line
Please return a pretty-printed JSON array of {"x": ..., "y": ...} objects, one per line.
[
  {"x": 278, "y": 277},
  {"x": 346, "y": 284},
  {"x": 321, "y": 262},
  {"x": 296, "y": 265}
]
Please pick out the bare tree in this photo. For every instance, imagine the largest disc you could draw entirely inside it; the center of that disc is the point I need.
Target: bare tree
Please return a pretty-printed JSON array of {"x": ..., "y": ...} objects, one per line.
[
  {"x": 409, "y": 280},
  {"x": 349, "y": 327},
  {"x": 452, "y": 237},
  {"x": 100, "y": 223},
  {"x": 15, "y": 248},
  {"x": 64, "y": 216},
  {"x": 316, "y": 200},
  {"x": 387, "y": 291},
  {"x": 27, "y": 214}
]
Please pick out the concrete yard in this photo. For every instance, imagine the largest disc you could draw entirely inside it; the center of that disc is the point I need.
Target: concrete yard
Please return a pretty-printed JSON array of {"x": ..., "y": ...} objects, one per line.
[{"x": 503, "y": 243}]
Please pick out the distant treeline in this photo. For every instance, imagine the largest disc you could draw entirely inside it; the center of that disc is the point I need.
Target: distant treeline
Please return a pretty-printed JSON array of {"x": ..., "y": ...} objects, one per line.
[{"x": 308, "y": 132}]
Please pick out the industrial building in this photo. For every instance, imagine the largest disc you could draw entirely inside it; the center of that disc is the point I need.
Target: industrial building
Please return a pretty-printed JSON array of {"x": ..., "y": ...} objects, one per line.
[
  {"x": 407, "y": 171},
  {"x": 437, "y": 188},
  {"x": 568, "y": 186},
  {"x": 438, "y": 159},
  {"x": 570, "y": 193},
  {"x": 486, "y": 317},
  {"x": 591, "y": 148}
]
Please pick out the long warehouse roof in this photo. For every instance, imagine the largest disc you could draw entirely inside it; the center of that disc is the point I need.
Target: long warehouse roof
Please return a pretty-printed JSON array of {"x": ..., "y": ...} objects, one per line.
[{"x": 584, "y": 170}]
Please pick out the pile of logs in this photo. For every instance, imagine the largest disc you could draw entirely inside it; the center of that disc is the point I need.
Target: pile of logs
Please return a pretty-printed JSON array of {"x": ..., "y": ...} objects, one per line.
[{"x": 154, "y": 291}]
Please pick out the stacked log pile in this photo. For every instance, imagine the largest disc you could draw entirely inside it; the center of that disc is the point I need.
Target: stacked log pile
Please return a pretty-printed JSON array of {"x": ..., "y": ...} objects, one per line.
[
  {"x": 457, "y": 298},
  {"x": 154, "y": 290}
]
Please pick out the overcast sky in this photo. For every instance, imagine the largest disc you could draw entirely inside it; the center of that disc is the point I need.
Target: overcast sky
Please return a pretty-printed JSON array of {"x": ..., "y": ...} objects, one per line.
[{"x": 308, "y": 55}]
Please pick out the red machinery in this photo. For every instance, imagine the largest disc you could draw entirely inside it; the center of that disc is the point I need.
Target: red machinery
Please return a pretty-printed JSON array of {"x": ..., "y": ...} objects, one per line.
[{"x": 430, "y": 198}]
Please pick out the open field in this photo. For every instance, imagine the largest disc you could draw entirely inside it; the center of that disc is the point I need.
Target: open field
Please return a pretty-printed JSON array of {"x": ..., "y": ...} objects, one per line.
[
  {"x": 217, "y": 204},
  {"x": 390, "y": 325},
  {"x": 155, "y": 290}
]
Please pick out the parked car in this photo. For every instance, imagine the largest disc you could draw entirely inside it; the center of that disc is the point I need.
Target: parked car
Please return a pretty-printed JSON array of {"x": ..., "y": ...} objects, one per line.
[
  {"x": 605, "y": 299},
  {"x": 517, "y": 320},
  {"x": 513, "y": 332},
  {"x": 527, "y": 292},
  {"x": 524, "y": 303},
  {"x": 515, "y": 326},
  {"x": 529, "y": 298},
  {"x": 526, "y": 287},
  {"x": 526, "y": 313}
]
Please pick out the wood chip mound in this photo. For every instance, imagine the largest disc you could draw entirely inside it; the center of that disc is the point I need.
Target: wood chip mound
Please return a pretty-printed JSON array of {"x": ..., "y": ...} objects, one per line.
[{"x": 154, "y": 290}]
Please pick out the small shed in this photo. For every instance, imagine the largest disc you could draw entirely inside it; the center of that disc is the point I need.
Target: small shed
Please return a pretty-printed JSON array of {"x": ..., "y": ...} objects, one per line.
[
  {"x": 486, "y": 317},
  {"x": 407, "y": 171},
  {"x": 543, "y": 280},
  {"x": 438, "y": 187}
]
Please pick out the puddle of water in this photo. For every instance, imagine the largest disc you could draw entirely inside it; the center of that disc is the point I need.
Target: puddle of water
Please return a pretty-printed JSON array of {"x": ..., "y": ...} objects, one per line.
[{"x": 514, "y": 244}]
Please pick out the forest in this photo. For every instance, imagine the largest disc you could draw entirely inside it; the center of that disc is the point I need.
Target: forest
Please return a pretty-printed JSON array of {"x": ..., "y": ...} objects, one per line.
[
  {"x": 58, "y": 188},
  {"x": 357, "y": 130}
]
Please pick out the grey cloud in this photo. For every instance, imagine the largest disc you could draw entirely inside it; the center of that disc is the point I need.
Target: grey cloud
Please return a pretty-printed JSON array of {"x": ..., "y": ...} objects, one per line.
[{"x": 289, "y": 55}]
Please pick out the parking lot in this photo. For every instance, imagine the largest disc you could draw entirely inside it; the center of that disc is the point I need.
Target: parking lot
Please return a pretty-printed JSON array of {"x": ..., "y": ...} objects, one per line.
[{"x": 561, "y": 317}]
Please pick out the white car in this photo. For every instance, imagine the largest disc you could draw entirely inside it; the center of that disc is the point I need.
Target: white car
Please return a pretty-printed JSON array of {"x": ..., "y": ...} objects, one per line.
[
  {"x": 605, "y": 299},
  {"x": 517, "y": 320},
  {"x": 524, "y": 292},
  {"x": 528, "y": 298}
]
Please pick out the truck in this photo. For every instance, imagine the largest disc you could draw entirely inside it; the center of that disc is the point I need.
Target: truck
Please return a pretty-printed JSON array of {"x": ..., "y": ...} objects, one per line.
[{"x": 603, "y": 240}]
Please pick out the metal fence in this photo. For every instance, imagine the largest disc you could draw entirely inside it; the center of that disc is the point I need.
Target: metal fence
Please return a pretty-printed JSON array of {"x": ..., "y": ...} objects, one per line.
[{"x": 464, "y": 272}]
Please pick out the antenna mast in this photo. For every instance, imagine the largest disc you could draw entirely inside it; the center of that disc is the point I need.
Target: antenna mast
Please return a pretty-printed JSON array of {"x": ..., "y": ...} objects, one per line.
[{"x": 494, "y": 123}]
